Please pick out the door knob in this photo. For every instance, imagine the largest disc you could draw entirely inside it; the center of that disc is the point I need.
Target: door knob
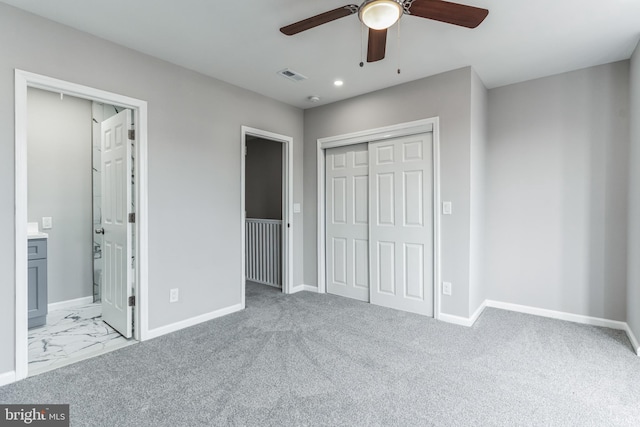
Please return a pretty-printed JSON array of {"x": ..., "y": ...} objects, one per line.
[{"x": 99, "y": 230}]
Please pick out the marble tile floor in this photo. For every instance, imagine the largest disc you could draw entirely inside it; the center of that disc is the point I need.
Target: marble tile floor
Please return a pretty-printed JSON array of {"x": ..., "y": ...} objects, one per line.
[{"x": 71, "y": 335}]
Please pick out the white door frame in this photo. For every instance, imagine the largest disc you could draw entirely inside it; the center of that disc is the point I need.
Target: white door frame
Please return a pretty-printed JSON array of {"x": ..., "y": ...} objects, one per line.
[
  {"x": 23, "y": 80},
  {"x": 287, "y": 204},
  {"x": 379, "y": 134}
]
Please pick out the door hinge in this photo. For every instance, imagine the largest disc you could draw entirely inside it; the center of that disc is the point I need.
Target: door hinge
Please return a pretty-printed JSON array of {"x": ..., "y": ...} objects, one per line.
[
  {"x": 132, "y": 218},
  {"x": 132, "y": 301},
  {"x": 245, "y": 150},
  {"x": 132, "y": 134}
]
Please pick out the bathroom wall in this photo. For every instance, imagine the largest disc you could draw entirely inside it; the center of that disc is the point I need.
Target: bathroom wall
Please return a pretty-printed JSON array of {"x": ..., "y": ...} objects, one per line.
[
  {"x": 263, "y": 183},
  {"x": 59, "y": 180}
]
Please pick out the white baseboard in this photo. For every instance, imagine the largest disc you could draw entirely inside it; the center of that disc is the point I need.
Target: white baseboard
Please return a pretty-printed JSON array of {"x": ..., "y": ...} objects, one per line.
[
  {"x": 634, "y": 341},
  {"x": 456, "y": 320},
  {"x": 163, "y": 330},
  {"x": 478, "y": 312},
  {"x": 7, "y": 378},
  {"x": 301, "y": 288},
  {"x": 70, "y": 303},
  {"x": 576, "y": 318},
  {"x": 560, "y": 315},
  {"x": 463, "y": 321}
]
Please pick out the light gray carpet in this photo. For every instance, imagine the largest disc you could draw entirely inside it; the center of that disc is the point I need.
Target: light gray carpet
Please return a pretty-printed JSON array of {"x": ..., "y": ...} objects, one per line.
[{"x": 309, "y": 359}]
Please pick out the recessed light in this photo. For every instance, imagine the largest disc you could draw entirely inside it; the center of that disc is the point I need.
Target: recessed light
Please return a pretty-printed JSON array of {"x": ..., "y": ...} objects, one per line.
[{"x": 338, "y": 83}]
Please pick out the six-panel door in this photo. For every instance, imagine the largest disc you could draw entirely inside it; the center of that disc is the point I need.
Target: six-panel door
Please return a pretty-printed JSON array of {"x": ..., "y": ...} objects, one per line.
[
  {"x": 401, "y": 223},
  {"x": 379, "y": 222},
  {"x": 116, "y": 196},
  {"x": 347, "y": 220}
]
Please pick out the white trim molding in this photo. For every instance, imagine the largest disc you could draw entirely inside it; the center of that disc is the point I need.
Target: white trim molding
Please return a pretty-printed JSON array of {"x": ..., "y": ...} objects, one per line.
[
  {"x": 7, "y": 378},
  {"x": 371, "y": 135},
  {"x": 378, "y": 134},
  {"x": 464, "y": 321},
  {"x": 61, "y": 305},
  {"x": 301, "y": 288},
  {"x": 455, "y": 320},
  {"x": 24, "y": 80},
  {"x": 543, "y": 312},
  {"x": 173, "y": 327},
  {"x": 478, "y": 312},
  {"x": 634, "y": 341},
  {"x": 560, "y": 315},
  {"x": 570, "y": 317}
]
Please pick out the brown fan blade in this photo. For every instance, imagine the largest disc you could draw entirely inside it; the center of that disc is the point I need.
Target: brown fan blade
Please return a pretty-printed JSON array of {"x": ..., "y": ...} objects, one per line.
[
  {"x": 323, "y": 18},
  {"x": 377, "y": 45},
  {"x": 451, "y": 13}
]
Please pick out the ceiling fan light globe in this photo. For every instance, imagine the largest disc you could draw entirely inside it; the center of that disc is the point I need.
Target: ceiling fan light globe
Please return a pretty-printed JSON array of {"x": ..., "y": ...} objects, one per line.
[{"x": 380, "y": 14}]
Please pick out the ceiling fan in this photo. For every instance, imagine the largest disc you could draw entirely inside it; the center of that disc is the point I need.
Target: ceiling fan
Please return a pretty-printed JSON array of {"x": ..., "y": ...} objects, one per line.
[{"x": 379, "y": 15}]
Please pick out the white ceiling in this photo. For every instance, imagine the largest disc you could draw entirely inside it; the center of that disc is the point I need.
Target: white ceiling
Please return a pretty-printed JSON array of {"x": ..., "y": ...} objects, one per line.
[{"x": 239, "y": 42}]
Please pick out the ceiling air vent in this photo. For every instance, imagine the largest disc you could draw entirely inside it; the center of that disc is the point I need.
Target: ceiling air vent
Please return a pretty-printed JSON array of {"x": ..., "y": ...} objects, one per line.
[{"x": 292, "y": 75}]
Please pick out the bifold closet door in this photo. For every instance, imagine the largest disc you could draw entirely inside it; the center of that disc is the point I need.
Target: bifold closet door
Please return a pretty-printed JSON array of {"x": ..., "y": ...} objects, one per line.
[
  {"x": 347, "y": 218},
  {"x": 401, "y": 223}
]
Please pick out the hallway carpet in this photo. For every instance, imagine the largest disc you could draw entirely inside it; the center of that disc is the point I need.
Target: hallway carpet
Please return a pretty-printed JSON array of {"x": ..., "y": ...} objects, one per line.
[{"x": 309, "y": 359}]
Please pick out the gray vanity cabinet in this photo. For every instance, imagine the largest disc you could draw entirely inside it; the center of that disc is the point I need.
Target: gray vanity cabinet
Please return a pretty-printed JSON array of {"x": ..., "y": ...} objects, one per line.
[{"x": 37, "y": 282}]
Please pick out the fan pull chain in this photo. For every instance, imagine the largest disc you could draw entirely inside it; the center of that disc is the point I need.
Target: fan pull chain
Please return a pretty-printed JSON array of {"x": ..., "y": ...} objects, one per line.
[
  {"x": 361, "y": 45},
  {"x": 399, "y": 49}
]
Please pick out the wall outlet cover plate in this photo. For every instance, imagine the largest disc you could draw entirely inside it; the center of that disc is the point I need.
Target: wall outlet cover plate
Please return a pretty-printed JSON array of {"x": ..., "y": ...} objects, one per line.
[{"x": 47, "y": 223}]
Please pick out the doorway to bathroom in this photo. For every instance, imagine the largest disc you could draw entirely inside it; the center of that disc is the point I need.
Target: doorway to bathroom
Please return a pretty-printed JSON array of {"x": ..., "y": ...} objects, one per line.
[
  {"x": 71, "y": 258},
  {"x": 80, "y": 222}
]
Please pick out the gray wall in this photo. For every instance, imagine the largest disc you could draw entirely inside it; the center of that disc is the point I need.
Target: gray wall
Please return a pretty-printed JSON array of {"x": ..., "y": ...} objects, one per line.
[
  {"x": 263, "y": 185},
  {"x": 633, "y": 289},
  {"x": 557, "y": 184},
  {"x": 194, "y": 163},
  {"x": 478, "y": 146},
  {"x": 59, "y": 180},
  {"x": 446, "y": 96}
]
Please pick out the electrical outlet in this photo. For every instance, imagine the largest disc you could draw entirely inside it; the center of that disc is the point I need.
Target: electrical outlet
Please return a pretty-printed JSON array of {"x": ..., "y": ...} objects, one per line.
[
  {"x": 446, "y": 288},
  {"x": 47, "y": 223},
  {"x": 173, "y": 295}
]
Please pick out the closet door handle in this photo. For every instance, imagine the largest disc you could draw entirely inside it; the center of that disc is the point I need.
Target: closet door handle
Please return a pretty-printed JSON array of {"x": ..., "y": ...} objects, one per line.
[{"x": 99, "y": 230}]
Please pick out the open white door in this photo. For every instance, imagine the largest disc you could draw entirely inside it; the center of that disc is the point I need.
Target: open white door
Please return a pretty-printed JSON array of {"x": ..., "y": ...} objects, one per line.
[
  {"x": 347, "y": 218},
  {"x": 116, "y": 200},
  {"x": 401, "y": 223}
]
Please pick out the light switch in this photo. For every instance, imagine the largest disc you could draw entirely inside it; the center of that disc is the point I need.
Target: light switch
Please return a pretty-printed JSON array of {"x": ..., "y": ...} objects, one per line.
[
  {"x": 296, "y": 208},
  {"x": 47, "y": 223},
  {"x": 446, "y": 208}
]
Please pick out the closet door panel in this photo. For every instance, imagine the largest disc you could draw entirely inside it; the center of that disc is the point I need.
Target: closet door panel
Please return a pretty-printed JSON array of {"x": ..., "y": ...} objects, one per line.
[
  {"x": 347, "y": 221},
  {"x": 401, "y": 223}
]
